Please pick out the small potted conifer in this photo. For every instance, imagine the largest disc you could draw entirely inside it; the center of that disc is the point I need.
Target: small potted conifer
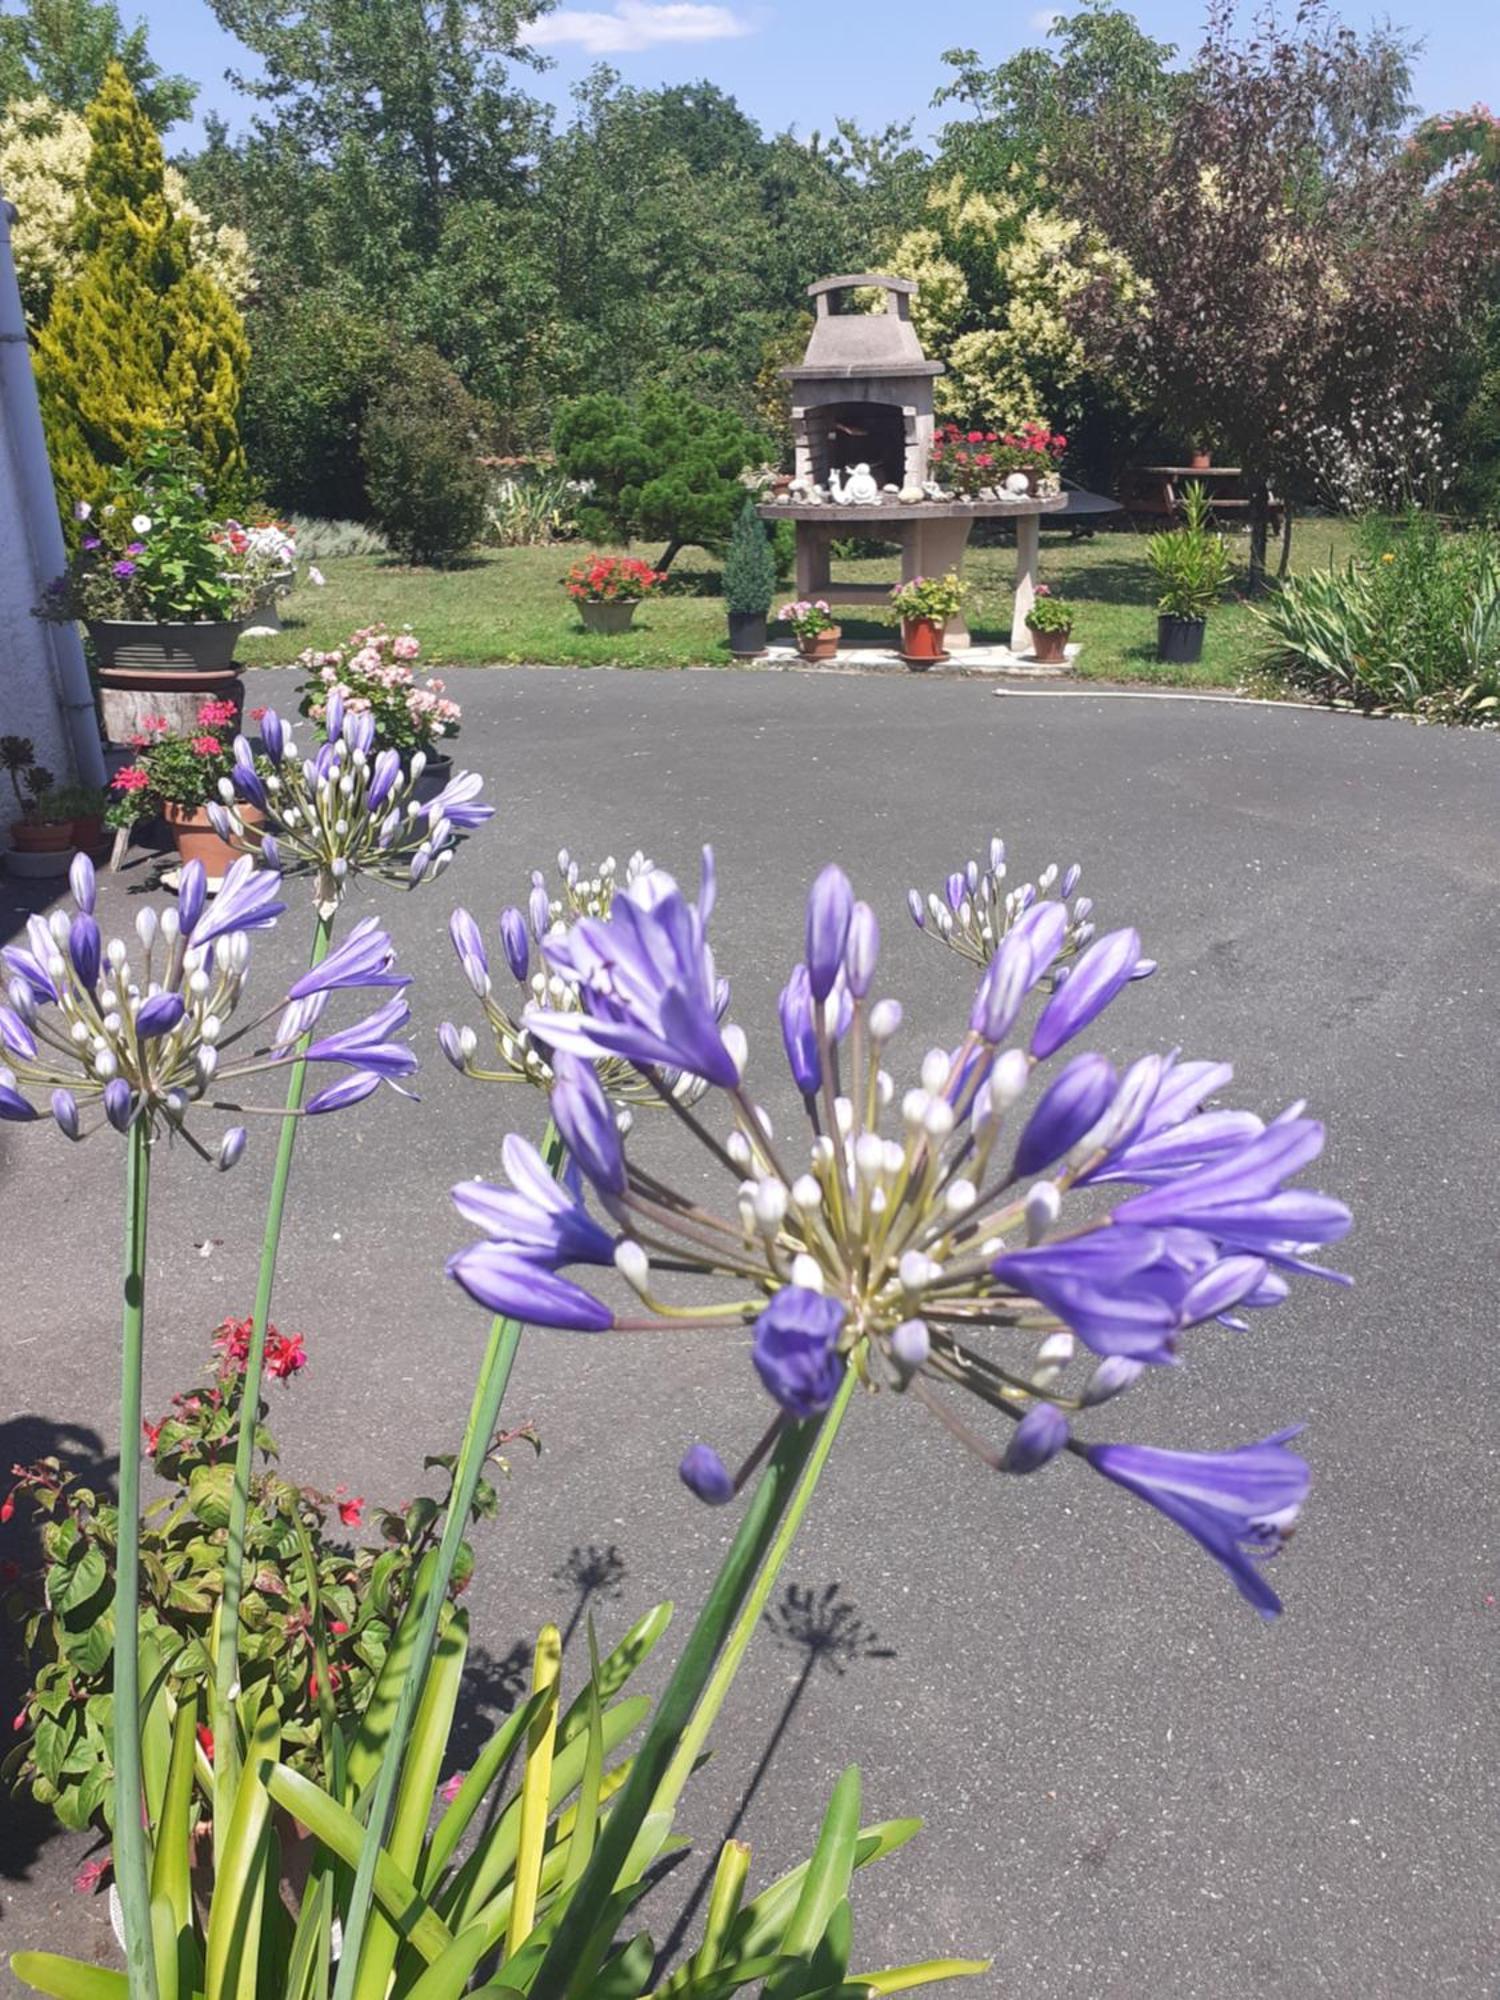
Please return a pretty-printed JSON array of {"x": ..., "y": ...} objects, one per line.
[{"x": 749, "y": 584}]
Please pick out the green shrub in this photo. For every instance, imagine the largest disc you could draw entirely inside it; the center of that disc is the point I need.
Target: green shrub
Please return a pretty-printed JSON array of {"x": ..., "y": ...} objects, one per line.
[
  {"x": 530, "y": 507},
  {"x": 316, "y": 360},
  {"x": 1411, "y": 625},
  {"x": 423, "y": 437},
  {"x": 749, "y": 565},
  {"x": 324, "y": 541},
  {"x": 666, "y": 467}
]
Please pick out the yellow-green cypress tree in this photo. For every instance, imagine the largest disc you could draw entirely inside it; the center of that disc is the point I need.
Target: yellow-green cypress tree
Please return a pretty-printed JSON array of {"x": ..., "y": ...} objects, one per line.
[{"x": 142, "y": 339}]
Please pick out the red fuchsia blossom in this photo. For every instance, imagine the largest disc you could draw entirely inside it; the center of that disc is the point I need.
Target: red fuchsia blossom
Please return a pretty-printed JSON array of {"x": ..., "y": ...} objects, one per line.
[
  {"x": 206, "y": 1740},
  {"x": 314, "y": 1685},
  {"x": 285, "y": 1353},
  {"x": 351, "y": 1512},
  {"x": 151, "y": 1432},
  {"x": 338, "y": 1626},
  {"x": 450, "y": 1788}
]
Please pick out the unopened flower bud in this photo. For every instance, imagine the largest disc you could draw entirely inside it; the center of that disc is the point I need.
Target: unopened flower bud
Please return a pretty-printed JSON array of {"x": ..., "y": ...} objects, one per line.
[
  {"x": 936, "y": 1066},
  {"x": 1043, "y": 1206},
  {"x": 911, "y": 1344},
  {"x": 885, "y": 1019},
  {"x": 735, "y": 1041},
  {"x": 1115, "y": 1374},
  {"x": 806, "y": 1193},
  {"x": 807, "y": 1272},
  {"x": 770, "y": 1204},
  {"x": 1038, "y": 1437},
  {"x": 633, "y": 1265},
  {"x": 231, "y": 1146}
]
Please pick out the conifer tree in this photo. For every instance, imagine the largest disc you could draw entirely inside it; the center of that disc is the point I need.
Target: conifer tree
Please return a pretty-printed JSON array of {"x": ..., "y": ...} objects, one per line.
[{"x": 143, "y": 338}]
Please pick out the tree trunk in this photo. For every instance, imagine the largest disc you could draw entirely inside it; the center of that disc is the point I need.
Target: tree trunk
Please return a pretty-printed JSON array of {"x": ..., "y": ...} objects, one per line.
[
  {"x": 674, "y": 547},
  {"x": 1286, "y": 542},
  {"x": 1259, "y": 518}
]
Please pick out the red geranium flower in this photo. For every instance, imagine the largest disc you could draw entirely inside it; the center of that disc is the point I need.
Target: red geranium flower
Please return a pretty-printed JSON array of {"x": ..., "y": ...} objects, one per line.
[
  {"x": 207, "y": 746},
  {"x": 351, "y": 1511},
  {"x": 131, "y": 779}
]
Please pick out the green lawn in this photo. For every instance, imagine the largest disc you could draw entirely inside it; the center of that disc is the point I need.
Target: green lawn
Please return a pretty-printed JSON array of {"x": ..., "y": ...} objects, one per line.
[{"x": 508, "y": 607}]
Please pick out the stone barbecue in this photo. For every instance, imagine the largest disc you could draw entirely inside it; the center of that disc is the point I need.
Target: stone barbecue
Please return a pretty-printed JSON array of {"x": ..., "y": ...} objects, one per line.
[{"x": 862, "y": 393}]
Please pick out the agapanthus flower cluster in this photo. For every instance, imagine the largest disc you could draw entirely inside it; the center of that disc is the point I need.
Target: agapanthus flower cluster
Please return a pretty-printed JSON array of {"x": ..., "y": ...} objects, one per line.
[
  {"x": 976, "y": 912},
  {"x": 346, "y": 811},
  {"x": 953, "y": 1233},
  {"x": 104, "y": 1032},
  {"x": 519, "y": 1056}
]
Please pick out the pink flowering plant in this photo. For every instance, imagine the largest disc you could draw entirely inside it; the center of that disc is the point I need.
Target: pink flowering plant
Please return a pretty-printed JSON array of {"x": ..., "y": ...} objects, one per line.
[
  {"x": 375, "y": 673},
  {"x": 808, "y": 617},
  {"x": 172, "y": 767}
]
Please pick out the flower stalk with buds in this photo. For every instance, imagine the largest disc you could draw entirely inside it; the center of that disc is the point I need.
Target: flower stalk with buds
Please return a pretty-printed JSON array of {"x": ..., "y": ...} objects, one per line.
[
  {"x": 518, "y": 1055},
  {"x": 144, "y": 1043},
  {"x": 976, "y": 912},
  {"x": 948, "y": 1236},
  {"x": 348, "y": 810}
]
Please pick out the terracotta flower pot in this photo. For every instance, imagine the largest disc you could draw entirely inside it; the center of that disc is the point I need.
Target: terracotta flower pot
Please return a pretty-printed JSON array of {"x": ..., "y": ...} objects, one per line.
[
  {"x": 39, "y": 849},
  {"x": 922, "y": 642},
  {"x": 820, "y": 645},
  {"x": 1200, "y": 461},
  {"x": 1050, "y": 649},
  {"x": 607, "y": 614},
  {"x": 195, "y": 840}
]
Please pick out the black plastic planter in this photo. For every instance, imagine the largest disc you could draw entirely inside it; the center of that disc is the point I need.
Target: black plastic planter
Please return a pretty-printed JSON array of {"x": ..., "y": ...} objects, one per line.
[
  {"x": 1179, "y": 641},
  {"x": 747, "y": 634}
]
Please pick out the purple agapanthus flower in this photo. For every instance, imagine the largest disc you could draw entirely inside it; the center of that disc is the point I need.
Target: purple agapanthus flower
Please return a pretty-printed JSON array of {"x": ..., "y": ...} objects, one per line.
[
  {"x": 370, "y": 1044},
  {"x": 545, "y": 1220},
  {"x": 645, "y": 976},
  {"x": 951, "y": 1236},
  {"x": 795, "y": 1350},
  {"x": 366, "y": 958},
  {"x": 1239, "y": 1505}
]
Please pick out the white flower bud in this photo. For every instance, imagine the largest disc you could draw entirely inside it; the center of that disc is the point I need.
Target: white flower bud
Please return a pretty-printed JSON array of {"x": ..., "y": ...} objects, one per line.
[
  {"x": 1043, "y": 1206},
  {"x": 885, "y": 1019},
  {"x": 171, "y": 926},
  {"x": 737, "y": 1146},
  {"x": 935, "y": 1069},
  {"x": 770, "y": 1203},
  {"x": 895, "y": 1158},
  {"x": 807, "y": 1272},
  {"x": 885, "y": 1087},
  {"x": 633, "y": 1265},
  {"x": 738, "y": 1045},
  {"x": 231, "y": 1146},
  {"x": 1057, "y": 1350},
  {"x": 914, "y": 1108},
  {"x": 116, "y": 953},
  {"x": 145, "y": 926},
  {"x": 917, "y": 1272},
  {"x": 103, "y": 1064},
  {"x": 911, "y": 1344},
  {"x": 1008, "y": 1078},
  {"x": 959, "y": 1197},
  {"x": 869, "y": 1156},
  {"x": 806, "y": 1193},
  {"x": 843, "y": 1112},
  {"x": 938, "y": 1120}
]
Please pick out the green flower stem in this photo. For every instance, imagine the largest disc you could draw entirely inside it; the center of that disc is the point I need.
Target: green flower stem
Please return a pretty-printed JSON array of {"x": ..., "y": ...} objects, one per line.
[
  {"x": 484, "y": 1411},
  {"x": 707, "y": 1711},
  {"x": 582, "y": 1937},
  {"x": 227, "y": 1656},
  {"x": 131, "y": 1872}
]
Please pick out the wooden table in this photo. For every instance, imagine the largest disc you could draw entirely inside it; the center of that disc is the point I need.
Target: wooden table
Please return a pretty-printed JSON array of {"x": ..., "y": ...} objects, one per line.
[
  {"x": 1169, "y": 499},
  {"x": 933, "y": 536}
]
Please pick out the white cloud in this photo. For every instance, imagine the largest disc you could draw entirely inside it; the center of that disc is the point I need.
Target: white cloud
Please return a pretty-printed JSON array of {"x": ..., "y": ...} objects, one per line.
[
  {"x": 636, "y": 24},
  {"x": 1045, "y": 19}
]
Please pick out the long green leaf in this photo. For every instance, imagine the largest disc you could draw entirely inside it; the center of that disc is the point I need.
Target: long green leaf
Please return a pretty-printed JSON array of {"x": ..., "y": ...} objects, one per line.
[
  {"x": 728, "y": 1892},
  {"x": 171, "y": 1865},
  {"x": 367, "y": 1752},
  {"x": 617, "y": 1667},
  {"x": 419, "y": 1776},
  {"x": 582, "y": 1937},
  {"x": 627, "y": 1975},
  {"x": 906, "y": 1978},
  {"x": 824, "y": 1888},
  {"x": 758, "y": 1928},
  {"x": 447, "y": 1976},
  {"x": 307, "y": 1969},
  {"x": 342, "y": 1834},
  {"x": 234, "y": 1920},
  {"x": 536, "y": 1786},
  {"x": 491, "y": 1862},
  {"x": 454, "y": 1823},
  {"x": 586, "y": 1825},
  {"x": 68, "y": 1978}
]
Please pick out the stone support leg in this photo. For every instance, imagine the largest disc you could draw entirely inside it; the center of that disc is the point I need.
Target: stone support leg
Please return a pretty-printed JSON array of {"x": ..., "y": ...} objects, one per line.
[
  {"x": 932, "y": 548},
  {"x": 813, "y": 558},
  {"x": 1028, "y": 548}
]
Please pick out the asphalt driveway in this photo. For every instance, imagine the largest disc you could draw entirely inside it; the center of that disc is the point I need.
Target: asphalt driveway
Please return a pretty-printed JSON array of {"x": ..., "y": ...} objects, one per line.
[{"x": 1131, "y": 1786}]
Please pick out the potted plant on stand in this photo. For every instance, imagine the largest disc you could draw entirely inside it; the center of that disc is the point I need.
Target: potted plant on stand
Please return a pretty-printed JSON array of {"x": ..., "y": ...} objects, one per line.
[
  {"x": 749, "y": 583},
  {"x": 813, "y": 626},
  {"x": 177, "y": 776},
  {"x": 41, "y": 839},
  {"x": 1050, "y": 623},
  {"x": 1191, "y": 565},
  {"x": 924, "y": 604},
  {"x": 607, "y": 589}
]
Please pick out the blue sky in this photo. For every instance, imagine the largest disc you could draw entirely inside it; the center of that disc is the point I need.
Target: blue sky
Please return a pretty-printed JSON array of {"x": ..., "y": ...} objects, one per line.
[{"x": 802, "y": 62}]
